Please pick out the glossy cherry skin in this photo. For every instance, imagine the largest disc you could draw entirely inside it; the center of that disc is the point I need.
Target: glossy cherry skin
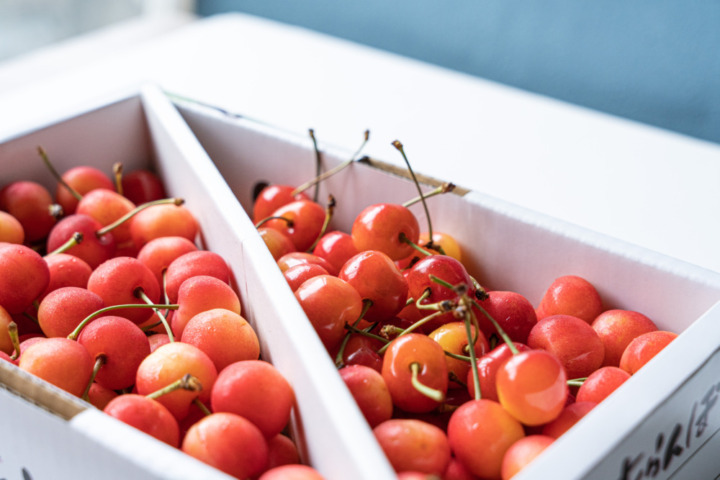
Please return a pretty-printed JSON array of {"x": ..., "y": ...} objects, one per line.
[
  {"x": 532, "y": 387},
  {"x": 82, "y": 179},
  {"x": 298, "y": 274},
  {"x": 488, "y": 366},
  {"x": 11, "y": 230},
  {"x": 480, "y": 432},
  {"x": 159, "y": 253},
  {"x": 60, "y": 361},
  {"x": 617, "y": 328},
  {"x": 201, "y": 293},
  {"x": 522, "y": 452},
  {"x": 277, "y": 242},
  {"x": 376, "y": 278},
  {"x": 273, "y": 197},
  {"x": 147, "y": 415},
  {"x": 162, "y": 221},
  {"x": 370, "y": 392},
  {"x": 453, "y": 338},
  {"x": 571, "y": 295},
  {"x": 25, "y": 275},
  {"x": 512, "y": 311},
  {"x": 190, "y": 264},
  {"x": 601, "y": 383},
  {"x": 30, "y": 203},
  {"x": 329, "y": 304},
  {"x": 66, "y": 271},
  {"x": 414, "y": 348},
  {"x": 379, "y": 227},
  {"x": 293, "y": 259},
  {"x": 107, "y": 206},
  {"x": 414, "y": 445},
  {"x": 142, "y": 186},
  {"x": 336, "y": 247},
  {"x": 643, "y": 348},
  {"x": 93, "y": 249},
  {"x": 62, "y": 310},
  {"x": 307, "y": 219}
]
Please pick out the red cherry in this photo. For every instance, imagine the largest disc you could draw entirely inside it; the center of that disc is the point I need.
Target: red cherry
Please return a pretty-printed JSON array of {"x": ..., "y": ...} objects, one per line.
[
  {"x": 66, "y": 271},
  {"x": 99, "y": 396},
  {"x": 617, "y": 328},
  {"x": 273, "y": 197},
  {"x": 512, "y": 311},
  {"x": 147, "y": 415},
  {"x": 25, "y": 275},
  {"x": 142, "y": 186},
  {"x": 643, "y": 348},
  {"x": 480, "y": 432},
  {"x": 256, "y": 390},
  {"x": 570, "y": 415},
  {"x": 306, "y": 222},
  {"x": 336, "y": 247},
  {"x": 376, "y": 278},
  {"x": 277, "y": 242},
  {"x": 159, "y": 253},
  {"x": 282, "y": 451},
  {"x": 60, "y": 361},
  {"x": 298, "y": 274},
  {"x": 292, "y": 259},
  {"x": 382, "y": 227},
  {"x": 370, "y": 392},
  {"x": 165, "y": 220},
  {"x": 362, "y": 350},
  {"x": 200, "y": 262},
  {"x": 62, "y": 310},
  {"x": 414, "y": 445},
  {"x": 6, "y": 344},
  {"x": 522, "y": 452},
  {"x": 81, "y": 179},
  {"x": 31, "y": 205},
  {"x": 107, "y": 206},
  {"x": 415, "y": 351},
  {"x": 93, "y": 249},
  {"x": 532, "y": 387},
  {"x": 292, "y": 472},
  {"x": 11, "y": 230},
  {"x": 601, "y": 383},
  {"x": 201, "y": 293},
  {"x": 329, "y": 303},
  {"x": 571, "y": 295},
  {"x": 488, "y": 366}
]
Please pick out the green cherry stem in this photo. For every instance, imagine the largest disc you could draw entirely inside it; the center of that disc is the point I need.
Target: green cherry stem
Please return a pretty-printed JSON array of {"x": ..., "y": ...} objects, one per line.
[
  {"x": 75, "y": 333},
  {"x": 576, "y": 382},
  {"x": 141, "y": 295},
  {"x": 57, "y": 175},
  {"x": 99, "y": 362},
  {"x": 429, "y": 392},
  {"x": 367, "y": 303},
  {"x": 444, "y": 188},
  {"x": 332, "y": 171},
  {"x": 467, "y": 320},
  {"x": 133, "y": 212},
  {"x": 405, "y": 239},
  {"x": 503, "y": 335},
  {"x": 187, "y": 382},
  {"x": 311, "y": 132},
  {"x": 75, "y": 239},
  {"x": 400, "y": 148},
  {"x": 201, "y": 406},
  {"x": 366, "y": 333},
  {"x": 262, "y": 222}
]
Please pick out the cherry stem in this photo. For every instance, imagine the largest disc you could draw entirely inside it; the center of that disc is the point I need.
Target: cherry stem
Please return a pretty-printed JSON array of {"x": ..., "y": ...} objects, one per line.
[
  {"x": 444, "y": 188},
  {"x": 141, "y": 294},
  {"x": 366, "y": 332},
  {"x": 576, "y": 382},
  {"x": 262, "y": 222},
  {"x": 367, "y": 303},
  {"x": 57, "y": 175},
  {"x": 332, "y": 171},
  {"x": 100, "y": 360},
  {"x": 467, "y": 318},
  {"x": 453, "y": 377},
  {"x": 187, "y": 382},
  {"x": 480, "y": 292},
  {"x": 117, "y": 174},
  {"x": 429, "y": 392},
  {"x": 14, "y": 339},
  {"x": 405, "y": 239},
  {"x": 501, "y": 332},
  {"x": 75, "y": 239},
  {"x": 410, "y": 329},
  {"x": 329, "y": 210},
  {"x": 201, "y": 406},
  {"x": 75, "y": 333},
  {"x": 400, "y": 148},
  {"x": 311, "y": 132},
  {"x": 133, "y": 212}
]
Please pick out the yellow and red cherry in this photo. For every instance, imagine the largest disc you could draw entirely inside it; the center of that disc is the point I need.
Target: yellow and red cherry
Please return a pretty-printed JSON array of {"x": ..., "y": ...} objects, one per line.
[
  {"x": 522, "y": 452},
  {"x": 370, "y": 392},
  {"x": 30, "y": 204},
  {"x": 277, "y": 242},
  {"x": 572, "y": 340},
  {"x": 617, "y": 328},
  {"x": 24, "y": 278},
  {"x": 301, "y": 221},
  {"x": 256, "y": 390},
  {"x": 377, "y": 279},
  {"x": 142, "y": 186},
  {"x": 108, "y": 206},
  {"x": 126, "y": 280},
  {"x": 271, "y": 198},
  {"x": 480, "y": 432},
  {"x": 387, "y": 227},
  {"x": 158, "y": 254},
  {"x": 414, "y": 445},
  {"x": 161, "y": 221},
  {"x": 571, "y": 295},
  {"x": 297, "y": 274},
  {"x": 452, "y": 337},
  {"x": 59, "y": 361},
  {"x": 570, "y": 415},
  {"x": 201, "y": 293},
  {"x": 147, "y": 415},
  {"x": 66, "y": 271},
  {"x": 81, "y": 179},
  {"x": 200, "y": 262},
  {"x": 94, "y": 249},
  {"x": 225, "y": 336},
  {"x": 329, "y": 303},
  {"x": 601, "y": 383},
  {"x": 488, "y": 366},
  {"x": 167, "y": 364},
  {"x": 336, "y": 247},
  {"x": 122, "y": 345},
  {"x": 512, "y": 311},
  {"x": 643, "y": 348},
  {"x": 415, "y": 372},
  {"x": 532, "y": 387},
  {"x": 11, "y": 230},
  {"x": 62, "y": 310},
  {"x": 292, "y": 259}
]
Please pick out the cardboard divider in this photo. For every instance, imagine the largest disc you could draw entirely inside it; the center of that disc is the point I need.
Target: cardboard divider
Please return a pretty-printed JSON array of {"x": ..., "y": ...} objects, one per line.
[{"x": 511, "y": 248}]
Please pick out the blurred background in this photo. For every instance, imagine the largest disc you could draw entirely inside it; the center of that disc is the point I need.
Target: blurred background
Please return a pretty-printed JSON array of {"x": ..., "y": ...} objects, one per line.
[{"x": 657, "y": 62}]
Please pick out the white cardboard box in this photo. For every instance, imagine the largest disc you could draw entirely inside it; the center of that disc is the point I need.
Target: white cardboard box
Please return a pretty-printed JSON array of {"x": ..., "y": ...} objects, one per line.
[
  {"x": 661, "y": 423},
  {"x": 48, "y": 434}
]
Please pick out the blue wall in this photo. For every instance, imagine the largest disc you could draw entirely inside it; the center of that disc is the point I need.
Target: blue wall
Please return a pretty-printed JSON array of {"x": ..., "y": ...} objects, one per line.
[{"x": 657, "y": 62}]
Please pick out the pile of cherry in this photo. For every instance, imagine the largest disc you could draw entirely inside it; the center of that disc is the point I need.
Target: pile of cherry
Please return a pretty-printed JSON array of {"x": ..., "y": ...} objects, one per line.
[
  {"x": 397, "y": 310},
  {"x": 105, "y": 294}
]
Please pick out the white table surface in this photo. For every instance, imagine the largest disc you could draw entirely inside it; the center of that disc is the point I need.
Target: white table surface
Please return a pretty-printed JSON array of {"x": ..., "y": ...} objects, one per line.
[{"x": 647, "y": 186}]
